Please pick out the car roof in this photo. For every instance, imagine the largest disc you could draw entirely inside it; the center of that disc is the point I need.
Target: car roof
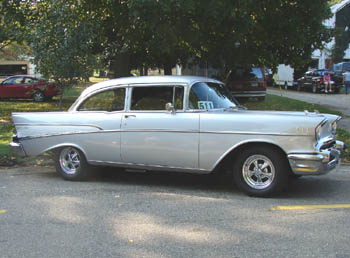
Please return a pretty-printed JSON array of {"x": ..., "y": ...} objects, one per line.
[
  {"x": 20, "y": 75},
  {"x": 176, "y": 79}
]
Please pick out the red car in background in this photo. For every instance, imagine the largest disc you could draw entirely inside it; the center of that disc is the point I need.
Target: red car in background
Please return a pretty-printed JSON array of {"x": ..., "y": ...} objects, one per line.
[{"x": 27, "y": 87}]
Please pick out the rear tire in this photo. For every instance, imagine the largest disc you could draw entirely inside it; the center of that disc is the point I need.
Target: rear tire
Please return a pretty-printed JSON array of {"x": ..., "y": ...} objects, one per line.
[
  {"x": 260, "y": 171},
  {"x": 71, "y": 164},
  {"x": 299, "y": 87},
  {"x": 38, "y": 96}
]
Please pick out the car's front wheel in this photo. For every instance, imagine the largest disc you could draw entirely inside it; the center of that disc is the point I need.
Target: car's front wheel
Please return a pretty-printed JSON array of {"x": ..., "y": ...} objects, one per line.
[
  {"x": 260, "y": 171},
  {"x": 71, "y": 164}
]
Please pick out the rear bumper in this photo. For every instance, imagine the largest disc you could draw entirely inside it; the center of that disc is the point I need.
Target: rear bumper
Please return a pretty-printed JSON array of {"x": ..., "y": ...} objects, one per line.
[
  {"x": 317, "y": 163},
  {"x": 17, "y": 149}
]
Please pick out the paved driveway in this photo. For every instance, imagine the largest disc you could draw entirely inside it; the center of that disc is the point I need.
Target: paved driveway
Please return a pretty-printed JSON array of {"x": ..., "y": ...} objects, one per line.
[
  {"x": 340, "y": 102},
  {"x": 163, "y": 215}
]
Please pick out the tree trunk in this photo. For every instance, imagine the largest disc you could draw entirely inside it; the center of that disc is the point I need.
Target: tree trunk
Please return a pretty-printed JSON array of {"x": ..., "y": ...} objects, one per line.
[
  {"x": 167, "y": 69},
  {"x": 121, "y": 65},
  {"x": 61, "y": 98}
]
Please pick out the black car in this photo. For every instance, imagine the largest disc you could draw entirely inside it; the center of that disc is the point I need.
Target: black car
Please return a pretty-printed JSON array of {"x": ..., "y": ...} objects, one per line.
[{"x": 313, "y": 81}]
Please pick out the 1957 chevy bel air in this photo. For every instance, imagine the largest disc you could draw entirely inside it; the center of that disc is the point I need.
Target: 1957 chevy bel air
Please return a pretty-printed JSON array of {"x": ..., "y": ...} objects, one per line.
[{"x": 181, "y": 123}]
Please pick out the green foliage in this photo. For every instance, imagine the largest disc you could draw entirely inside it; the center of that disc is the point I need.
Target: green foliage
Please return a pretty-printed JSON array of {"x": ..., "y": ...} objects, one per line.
[
  {"x": 344, "y": 136},
  {"x": 273, "y": 102},
  {"x": 60, "y": 41},
  {"x": 333, "y": 2},
  {"x": 66, "y": 36},
  {"x": 12, "y": 22}
]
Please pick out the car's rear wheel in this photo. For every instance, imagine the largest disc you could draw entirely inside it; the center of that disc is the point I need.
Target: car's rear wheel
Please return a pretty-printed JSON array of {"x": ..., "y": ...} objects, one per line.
[
  {"x": 71, "y": 164},
  {"x": 299, "y": 86},
  {"x": 260, "y": 171},
  {"x": 38, "y": 96}
]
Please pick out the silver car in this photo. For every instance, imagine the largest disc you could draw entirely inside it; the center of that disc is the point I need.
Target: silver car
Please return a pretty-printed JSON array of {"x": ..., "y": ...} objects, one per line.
[{"x": 180, "y": 123}]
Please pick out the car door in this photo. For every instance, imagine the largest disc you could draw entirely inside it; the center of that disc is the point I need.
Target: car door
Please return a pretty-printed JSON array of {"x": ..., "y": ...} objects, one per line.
[
  {"x": 103, "y": 110},
  {"x": 155, "y": 137},
  {"x": 13, "y": 88}
]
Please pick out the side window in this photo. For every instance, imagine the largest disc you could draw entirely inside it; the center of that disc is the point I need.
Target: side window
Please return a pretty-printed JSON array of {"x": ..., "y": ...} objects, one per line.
[
  {"x": 15, "y": 80},
  {"x": 109, "y": 100},
  {"x": 29, "y": 81},
  {"x": 156, "y": 97}
]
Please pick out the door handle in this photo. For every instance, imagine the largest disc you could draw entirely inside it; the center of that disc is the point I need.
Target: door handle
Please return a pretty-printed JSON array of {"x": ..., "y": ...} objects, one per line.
[{"x": 127, "y": 116}]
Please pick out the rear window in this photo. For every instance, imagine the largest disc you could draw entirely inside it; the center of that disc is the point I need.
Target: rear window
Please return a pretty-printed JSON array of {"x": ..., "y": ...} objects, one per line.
[{"x": 254, "y": 73}]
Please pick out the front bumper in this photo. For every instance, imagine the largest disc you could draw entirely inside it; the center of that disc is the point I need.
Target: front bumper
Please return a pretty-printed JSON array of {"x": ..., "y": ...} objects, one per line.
[
  {"x": 317, "y": 163},
  {"x": 247, "y": 94}
]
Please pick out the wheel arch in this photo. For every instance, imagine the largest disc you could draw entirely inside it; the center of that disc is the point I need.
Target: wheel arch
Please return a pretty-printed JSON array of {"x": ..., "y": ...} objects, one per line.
[
  {"x": 63, "y": 145},
  {"x": 225, "y": 162}
]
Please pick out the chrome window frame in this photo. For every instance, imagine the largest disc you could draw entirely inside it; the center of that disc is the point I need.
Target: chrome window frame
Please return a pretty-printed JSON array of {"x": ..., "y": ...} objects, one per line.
[
  {"x": 167, "y": 84},
  {"x": 80, "y": 101}
]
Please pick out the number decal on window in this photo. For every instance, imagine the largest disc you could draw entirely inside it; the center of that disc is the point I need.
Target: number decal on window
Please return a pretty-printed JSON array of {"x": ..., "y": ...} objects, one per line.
[{"x": 205, "y": 105}]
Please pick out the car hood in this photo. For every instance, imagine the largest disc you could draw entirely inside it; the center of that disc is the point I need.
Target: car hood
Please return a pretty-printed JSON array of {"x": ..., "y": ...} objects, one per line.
[{"x": 267, "y": 122}]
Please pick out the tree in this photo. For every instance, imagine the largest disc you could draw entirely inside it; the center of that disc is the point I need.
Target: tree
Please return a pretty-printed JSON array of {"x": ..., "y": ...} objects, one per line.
[
  {"x": 61, "y": 41},
  {"x": 66, "y": 35},
  {"x": 12, "y": 22}
]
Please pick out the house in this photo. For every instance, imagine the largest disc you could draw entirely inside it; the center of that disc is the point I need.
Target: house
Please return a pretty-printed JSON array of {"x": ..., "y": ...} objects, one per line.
[
  {"x": 340, "y": 19},
  {"x": 13, "y": 67}
]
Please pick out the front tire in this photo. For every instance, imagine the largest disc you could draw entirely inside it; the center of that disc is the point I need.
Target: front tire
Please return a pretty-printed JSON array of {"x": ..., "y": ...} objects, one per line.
[
  {"x": 71, "y": 164},
  {"x": 260, "y": 172}
]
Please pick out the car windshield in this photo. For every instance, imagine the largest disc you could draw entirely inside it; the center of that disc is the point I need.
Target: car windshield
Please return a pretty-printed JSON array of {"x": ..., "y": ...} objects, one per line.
[{"x": 206, "y": 95}]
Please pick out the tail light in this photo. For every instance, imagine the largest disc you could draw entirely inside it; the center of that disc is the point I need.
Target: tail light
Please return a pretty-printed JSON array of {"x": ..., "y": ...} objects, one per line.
[{"x": 265, "y": 84}]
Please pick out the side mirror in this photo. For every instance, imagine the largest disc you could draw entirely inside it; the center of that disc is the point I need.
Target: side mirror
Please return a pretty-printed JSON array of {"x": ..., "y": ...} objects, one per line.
[{"x": 170, "y": 107}]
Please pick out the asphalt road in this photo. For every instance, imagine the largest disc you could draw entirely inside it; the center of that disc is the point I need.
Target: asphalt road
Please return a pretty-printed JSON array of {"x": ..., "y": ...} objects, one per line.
[
  {"x": 340, "y": 102},
  {"x": 169, "y": 215}
]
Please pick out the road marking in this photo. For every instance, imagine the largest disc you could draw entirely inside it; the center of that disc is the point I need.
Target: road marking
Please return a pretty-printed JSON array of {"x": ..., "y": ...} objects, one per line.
[
  {"x": 310, "y": 207},
  {"x": 3, "y": 211}
]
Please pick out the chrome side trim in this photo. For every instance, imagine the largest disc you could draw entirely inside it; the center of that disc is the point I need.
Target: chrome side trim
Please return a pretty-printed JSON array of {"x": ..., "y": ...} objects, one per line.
[
  {"x": 58, "y": 124},
  {"x": 148, "y": 167},
  {"x": 160, "y": 131},
  {"x": 252, "y": 133}
]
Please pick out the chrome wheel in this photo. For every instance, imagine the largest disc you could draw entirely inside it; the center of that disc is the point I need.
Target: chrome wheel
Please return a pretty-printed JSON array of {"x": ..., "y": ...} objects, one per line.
[
  {"x": 258, "y": 172},
  {"x": 69, "y": 160}
]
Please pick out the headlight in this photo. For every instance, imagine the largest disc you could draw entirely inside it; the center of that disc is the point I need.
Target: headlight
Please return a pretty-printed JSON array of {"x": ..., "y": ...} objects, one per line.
[{"x": 318, "y": 132}]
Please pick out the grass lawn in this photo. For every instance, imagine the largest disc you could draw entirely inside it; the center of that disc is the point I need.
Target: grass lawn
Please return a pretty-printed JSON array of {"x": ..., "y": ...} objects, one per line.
[{"x": 271, "y": 102}]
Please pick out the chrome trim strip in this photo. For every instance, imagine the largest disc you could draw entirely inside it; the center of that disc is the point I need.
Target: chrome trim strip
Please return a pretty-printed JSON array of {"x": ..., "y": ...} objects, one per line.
[
  {"x": 57, "y": 124},
  {"x": 148, "y": 167},
  {"x": 160, "y": 131},
  {"x": 252, "y": 133}
]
